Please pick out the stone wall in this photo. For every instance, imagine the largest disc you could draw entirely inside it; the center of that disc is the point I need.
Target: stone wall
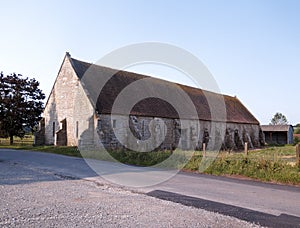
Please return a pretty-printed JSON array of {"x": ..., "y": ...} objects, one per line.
[
  {"x": 114, "y": 133},
  {"x": 39, "y": 136},
  {"x": 68, "y": 101}
]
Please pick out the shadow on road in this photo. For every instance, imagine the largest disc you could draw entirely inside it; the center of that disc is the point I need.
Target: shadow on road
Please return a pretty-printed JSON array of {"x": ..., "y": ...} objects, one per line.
[
  {"x": 252, "y": 216},
  {"x": 25, "y": 167}
]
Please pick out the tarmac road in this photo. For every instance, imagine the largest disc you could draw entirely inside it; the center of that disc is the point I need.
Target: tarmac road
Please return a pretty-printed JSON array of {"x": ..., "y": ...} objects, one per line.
[{"x": 22, "y": 171}]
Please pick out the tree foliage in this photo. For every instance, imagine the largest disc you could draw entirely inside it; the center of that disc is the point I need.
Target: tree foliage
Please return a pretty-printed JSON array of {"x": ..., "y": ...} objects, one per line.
[
  {"x": 297, "y": 129},
  {"x": 21, "y": 105},
  {"x": 279, "y": 119}
]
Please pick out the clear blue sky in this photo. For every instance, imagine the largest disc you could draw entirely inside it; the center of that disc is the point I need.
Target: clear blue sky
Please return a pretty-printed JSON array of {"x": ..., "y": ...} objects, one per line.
[{"x": 252, "y": 48}]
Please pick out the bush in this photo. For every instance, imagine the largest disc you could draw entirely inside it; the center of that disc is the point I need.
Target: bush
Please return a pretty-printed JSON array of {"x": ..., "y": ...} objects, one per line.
[
  {"x": 140, "y": 158},
  {"x": 296, "y": 140}
]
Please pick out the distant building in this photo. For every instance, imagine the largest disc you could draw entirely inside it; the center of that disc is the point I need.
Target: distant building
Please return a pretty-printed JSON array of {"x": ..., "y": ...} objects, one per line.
[{"x": 278, "y": 134}]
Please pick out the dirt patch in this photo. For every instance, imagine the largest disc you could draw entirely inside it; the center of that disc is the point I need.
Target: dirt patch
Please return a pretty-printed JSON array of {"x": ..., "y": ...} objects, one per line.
[{"x": 288, "y": 156}]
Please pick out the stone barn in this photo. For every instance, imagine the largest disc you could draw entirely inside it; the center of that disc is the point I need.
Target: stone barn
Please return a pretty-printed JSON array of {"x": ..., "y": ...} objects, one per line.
[
  {"x": 79, "y": 113},
  {"x": 278, "y": 134}
]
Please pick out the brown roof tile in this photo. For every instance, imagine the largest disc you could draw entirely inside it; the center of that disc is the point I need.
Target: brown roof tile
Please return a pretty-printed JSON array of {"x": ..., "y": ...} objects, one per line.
[
  {"x": 118, "y": 80},
  {"x": 275, "y": 127}
]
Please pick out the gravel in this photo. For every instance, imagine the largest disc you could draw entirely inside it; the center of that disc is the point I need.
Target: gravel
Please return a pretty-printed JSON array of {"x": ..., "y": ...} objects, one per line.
[{"x": 32, "y": 197}]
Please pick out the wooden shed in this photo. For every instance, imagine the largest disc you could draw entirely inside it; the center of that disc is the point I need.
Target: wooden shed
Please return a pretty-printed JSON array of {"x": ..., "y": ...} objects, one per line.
[{"x": 278, "y": 134}]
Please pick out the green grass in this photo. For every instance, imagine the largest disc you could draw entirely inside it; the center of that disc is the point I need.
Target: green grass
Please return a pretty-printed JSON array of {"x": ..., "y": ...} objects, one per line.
[
  {"x": 26, "y": 141},
  {"x": 27, "y": 144},
  {"x": 140, "y": 158},
  {"x": 272, "y": 164},
  {"x": 64, "y": 150},
  {"x": 159, "y": 159},
  {"x": 262, "y": 169}
]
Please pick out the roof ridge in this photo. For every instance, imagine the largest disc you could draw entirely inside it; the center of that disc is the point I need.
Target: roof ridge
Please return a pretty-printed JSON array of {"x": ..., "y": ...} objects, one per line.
[
  {"x": 152, "y": 77},
  {"x": 236, "y": 111}
]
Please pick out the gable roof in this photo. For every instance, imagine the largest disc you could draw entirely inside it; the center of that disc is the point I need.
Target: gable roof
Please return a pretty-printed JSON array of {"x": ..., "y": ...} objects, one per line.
[
  {"x": 119, "y": 79},
  {"x": 278, "y": 128}
]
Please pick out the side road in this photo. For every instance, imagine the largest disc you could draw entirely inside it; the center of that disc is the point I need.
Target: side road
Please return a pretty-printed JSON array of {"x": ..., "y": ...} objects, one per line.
[{"x": 264, "y": 204}]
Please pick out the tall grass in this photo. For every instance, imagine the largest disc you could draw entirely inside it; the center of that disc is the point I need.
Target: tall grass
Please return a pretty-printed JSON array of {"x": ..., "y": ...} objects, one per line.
[{"x": 273, "y": 164}]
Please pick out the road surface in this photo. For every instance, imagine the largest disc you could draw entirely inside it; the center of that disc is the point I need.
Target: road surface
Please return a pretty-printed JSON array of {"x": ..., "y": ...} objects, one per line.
[{"x": 265, "y": 204}]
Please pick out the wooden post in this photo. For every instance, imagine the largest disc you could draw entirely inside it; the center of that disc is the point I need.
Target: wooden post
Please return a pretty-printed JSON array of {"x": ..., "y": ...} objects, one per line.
[
  {"x": 298, "y": 154},
  {"x": 204, "y": 150},
  {"x": 246, "y": 149}
]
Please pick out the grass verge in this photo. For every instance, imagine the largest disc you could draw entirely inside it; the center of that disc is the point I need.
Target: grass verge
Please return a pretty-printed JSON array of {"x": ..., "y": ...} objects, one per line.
[
  {"x": 273, "y": 164},
  {"x": 26, "y": 143}
]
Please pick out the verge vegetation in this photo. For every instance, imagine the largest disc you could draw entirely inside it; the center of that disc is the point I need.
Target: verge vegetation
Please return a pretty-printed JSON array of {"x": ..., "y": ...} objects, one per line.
[
  {"x": 272, "y": 164},
  {"x": 26, "y": 143}
]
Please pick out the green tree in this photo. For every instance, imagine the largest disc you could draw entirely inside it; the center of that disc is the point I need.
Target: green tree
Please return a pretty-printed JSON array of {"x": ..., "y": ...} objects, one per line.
[
  {"x": 21, "y": 105},
  {"x": 279, "y": 119},
  {"x": 297, "y": 129}
]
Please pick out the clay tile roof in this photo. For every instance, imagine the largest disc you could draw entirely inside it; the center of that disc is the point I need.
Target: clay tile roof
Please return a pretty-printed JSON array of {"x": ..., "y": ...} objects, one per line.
[
  {"x": 118, "y": 80},
  {"x": 273, "y": 128}
]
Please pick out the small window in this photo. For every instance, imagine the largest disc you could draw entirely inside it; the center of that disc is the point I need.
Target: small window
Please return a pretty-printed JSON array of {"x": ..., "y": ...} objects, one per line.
[
  {"x": 143, "y": 128},
  {"x": 77, "y": 130},
  {"x": 53, "y": 129},
  {"x": 114, "y": 123}
]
